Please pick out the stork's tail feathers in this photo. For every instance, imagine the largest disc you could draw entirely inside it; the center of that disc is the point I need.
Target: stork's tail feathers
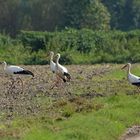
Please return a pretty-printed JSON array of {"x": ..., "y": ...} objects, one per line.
[
  {"x": 64, "y": 80},
  {"x": 68, "y": 76},
  {"x": 29, "y": 72},
  {"x": 24, "y": 72}
]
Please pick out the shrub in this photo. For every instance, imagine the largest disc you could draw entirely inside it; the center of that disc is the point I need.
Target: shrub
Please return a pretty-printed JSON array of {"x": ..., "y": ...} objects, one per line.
[{"x": 83, "y": 46}]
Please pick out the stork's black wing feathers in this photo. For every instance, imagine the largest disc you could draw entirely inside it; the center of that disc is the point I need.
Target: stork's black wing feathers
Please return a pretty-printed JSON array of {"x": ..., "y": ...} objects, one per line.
[
  {"x": 24, "y": 72},
  {"x": 136, "y": 84},
  {"x": 67, "y": 75},
  {"x": 64, "y": 80}
]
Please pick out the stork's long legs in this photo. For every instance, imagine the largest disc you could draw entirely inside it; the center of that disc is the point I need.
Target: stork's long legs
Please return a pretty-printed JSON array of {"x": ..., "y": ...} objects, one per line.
[
  {"x": 12, "y": 85},
  {"x": 56, "y": 82},
  {"x": 138, "y": 88}
]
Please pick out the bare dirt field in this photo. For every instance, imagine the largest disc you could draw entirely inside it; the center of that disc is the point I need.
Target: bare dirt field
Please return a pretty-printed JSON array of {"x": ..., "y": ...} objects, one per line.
[{"x": 39, "y": 86}]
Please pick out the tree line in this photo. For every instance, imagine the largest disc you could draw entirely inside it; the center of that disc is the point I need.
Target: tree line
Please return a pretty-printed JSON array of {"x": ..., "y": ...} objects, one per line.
[{"x": 48, "y": 15}]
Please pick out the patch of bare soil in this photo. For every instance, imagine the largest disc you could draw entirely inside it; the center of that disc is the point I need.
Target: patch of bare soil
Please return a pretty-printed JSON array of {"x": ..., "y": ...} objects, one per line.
[
  {"x": 132, "y": 133},
  {"x": 15, "y": 102},
  {"x": 12, "y": 133}
]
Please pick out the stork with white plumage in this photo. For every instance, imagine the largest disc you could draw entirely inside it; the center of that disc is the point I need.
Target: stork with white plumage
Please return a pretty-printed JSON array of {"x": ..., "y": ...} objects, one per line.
[
  {"x": 133, "y": 79},
  {"x": 53, "y": 68},
  {"x": 15, "y": 70},
  {"x": 62, "y": 71},
  {"x": 52, "y": 63}
]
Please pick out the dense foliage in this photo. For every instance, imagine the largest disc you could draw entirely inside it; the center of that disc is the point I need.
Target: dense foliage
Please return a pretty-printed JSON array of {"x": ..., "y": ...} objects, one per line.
[
  {"x": 48, "y": 15},
  {"x": 76, "y": 46}
]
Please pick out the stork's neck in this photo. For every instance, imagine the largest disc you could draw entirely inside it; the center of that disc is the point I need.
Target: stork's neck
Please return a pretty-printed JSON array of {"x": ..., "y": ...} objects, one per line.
[
  {"x": 128, "y": 71},
  {"x": 51, "y": 58},
  {"x": 57, "y": 60},
  {"x": 5, "y": 65}
]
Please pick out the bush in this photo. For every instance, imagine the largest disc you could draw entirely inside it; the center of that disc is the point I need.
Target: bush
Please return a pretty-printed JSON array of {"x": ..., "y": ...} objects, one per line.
[
  {"x": 75, "y": 46},
  {"x": 34, "y": 40}
]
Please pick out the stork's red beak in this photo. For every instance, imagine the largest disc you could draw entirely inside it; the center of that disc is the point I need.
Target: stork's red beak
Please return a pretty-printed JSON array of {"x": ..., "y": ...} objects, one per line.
[{"x": 124, "y": 66}]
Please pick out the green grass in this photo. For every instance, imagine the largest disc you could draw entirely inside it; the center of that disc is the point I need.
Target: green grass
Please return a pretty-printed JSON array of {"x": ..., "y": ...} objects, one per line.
[{"x": 118, "y": 113}]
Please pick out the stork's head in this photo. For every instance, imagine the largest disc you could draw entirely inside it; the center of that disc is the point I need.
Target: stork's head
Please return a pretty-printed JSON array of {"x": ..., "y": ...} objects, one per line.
[
  {"x": 58, "y": 55},
  {"x": 127, "y": 65},
  {"x": 51, "y": 53},
  {"x": 3, "y": 62}
]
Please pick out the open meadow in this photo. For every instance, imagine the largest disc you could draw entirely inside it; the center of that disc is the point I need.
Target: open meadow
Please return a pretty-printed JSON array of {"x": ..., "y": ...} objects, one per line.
[{"x": 98, "y": 104}]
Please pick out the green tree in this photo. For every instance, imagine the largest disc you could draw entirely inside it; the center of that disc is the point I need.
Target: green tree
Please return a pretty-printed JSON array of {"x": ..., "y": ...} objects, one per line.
[
  {"x": 24, "y": 15},
  {"x": 96, "y": 16},
  {"x": 86, "y": 13},
  {"x": 73, "y": 12},
  {"x": 136, "y": 13},
  {"x": 8, "y": 16},
  {"x": 116, "y": 9},
  {"x": 46, "y": 14},
  {"x": 125, "y": 14}
]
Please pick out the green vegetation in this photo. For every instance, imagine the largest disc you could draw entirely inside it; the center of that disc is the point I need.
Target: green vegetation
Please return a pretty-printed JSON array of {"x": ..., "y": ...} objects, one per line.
[
  {"x": 76, "y": 47},
  {"x": 84, "y": 32},
  {"x": 117, "y": 114},
  {"x": 45, "y": 15}
]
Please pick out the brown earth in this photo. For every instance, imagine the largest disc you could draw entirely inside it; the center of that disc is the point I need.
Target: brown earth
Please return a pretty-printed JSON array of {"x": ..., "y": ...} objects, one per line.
[
  {"x": 14, "y": 102},
  {"x": 132, "y": 133}
]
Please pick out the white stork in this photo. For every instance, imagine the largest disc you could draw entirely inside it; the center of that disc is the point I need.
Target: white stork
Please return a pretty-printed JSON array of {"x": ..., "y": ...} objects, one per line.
[
  {"x": 53, "y": 68},
  {"x": 133, "y": 79},
  {"x": 16, "y": 70},
  {"x": 52, "y": 64},
  {"x": 62, "y": 71}
]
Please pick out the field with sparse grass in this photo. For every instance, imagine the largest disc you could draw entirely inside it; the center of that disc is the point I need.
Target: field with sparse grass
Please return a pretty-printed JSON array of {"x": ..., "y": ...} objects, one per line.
[{"x": 98, "y": 104}]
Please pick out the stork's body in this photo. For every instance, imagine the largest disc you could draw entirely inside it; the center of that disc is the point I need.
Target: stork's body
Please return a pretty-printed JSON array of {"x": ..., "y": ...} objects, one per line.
[
  {"x": 53, "y": 68},
  {"x": 133, "y": 79},
  {"x": 62, "y": 71},
  {"x": 16, "y": 70},
  {"x": 13, "y": 70},
  {"x": 52, "y": 63}
]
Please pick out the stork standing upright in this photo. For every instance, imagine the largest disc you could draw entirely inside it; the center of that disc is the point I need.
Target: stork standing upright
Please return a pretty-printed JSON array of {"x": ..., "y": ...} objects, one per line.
[
  {"x": 53, "y": 67},
  {"x": 52, "y": 63},
  {"x": 15, "y": 70},
  {"x": 62, "y": 71},
  {"x": 133, "y": 79}
]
